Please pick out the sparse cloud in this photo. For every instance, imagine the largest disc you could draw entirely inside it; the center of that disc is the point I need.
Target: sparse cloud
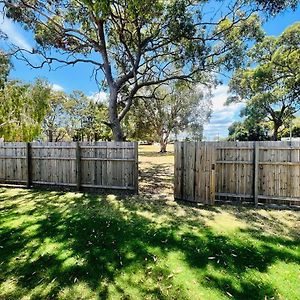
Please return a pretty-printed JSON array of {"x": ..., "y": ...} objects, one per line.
[
  {"x": 223, "y": 115},
  {"x": 14, "y": 34},
  {"x": 57, "y": 87},
  {"x": 100, "y": 97}
]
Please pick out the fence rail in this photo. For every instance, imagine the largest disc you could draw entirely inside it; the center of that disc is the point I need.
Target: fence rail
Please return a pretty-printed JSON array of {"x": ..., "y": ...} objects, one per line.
[
  {"x": 100, "y": 165},
  {"x": 258, "y": 172}
]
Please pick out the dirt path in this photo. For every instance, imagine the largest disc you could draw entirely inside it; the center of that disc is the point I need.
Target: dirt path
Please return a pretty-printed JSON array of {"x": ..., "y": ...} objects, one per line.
[{"x": 156, "y": 171}]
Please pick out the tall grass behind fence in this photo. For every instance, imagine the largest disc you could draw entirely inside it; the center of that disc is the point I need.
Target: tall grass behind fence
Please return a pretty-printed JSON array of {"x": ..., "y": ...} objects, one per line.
[{"x": 100, "y": 165}]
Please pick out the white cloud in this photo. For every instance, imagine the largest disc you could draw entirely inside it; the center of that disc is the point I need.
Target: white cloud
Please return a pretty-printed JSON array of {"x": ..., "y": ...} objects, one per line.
[
  {"x": 100, "y": 97},
  {"x": 57, "y": 87},
  {"x": 14, "y": 35},
  {"x": 223, "y": 115}
]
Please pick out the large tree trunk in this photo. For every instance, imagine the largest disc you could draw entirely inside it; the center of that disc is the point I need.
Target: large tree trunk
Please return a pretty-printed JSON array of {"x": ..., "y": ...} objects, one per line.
[
  {"x": 275, "y": 131},
  {"x": 115, "y": 124}
]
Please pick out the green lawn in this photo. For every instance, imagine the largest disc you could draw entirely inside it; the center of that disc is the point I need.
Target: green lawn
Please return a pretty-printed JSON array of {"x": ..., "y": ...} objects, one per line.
[
  {"x": 80, "y": 246},
  {"x": 56, "y": 245}
]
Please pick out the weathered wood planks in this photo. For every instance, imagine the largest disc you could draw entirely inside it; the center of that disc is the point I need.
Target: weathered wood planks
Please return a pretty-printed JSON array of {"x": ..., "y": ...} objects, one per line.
[
  {"x": 100, "y": 165},
  {"x": 257, "y": 172}
]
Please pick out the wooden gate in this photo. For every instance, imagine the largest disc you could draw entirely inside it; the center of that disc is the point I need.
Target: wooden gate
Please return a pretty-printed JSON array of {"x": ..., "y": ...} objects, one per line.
[{"x": 195, "y": 172}]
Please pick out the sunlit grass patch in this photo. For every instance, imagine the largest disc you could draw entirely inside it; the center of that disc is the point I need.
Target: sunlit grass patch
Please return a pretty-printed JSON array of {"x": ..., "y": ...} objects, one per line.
[{"x": 80, "y": 246}]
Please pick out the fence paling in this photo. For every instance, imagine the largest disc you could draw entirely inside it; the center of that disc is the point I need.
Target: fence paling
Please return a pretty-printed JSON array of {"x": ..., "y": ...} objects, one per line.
[
  {"x": 101, "y": 165},
  {"x": 254, "y": 171}
]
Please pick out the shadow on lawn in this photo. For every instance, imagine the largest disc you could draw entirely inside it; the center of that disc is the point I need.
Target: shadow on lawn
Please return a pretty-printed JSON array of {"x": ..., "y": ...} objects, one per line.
[
  {"x": 156, "y": 179},
  {"x": 51, "y": 243},
  {"x": 155, "y": 153}
]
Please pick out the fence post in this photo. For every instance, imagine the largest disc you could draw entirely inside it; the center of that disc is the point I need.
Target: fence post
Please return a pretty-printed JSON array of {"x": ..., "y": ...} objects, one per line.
[
  {"x": 213, "y": 176},
  {"x": 29, "y": 165},
  {"x": 255, "y": 172},
  {"x": 78, "y": 166},
  {"x": 136, "y": 156}
]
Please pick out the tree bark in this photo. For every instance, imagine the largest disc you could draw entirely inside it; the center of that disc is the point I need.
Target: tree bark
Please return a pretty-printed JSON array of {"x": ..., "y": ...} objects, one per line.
[
  {"x": 163, "y": 146},
  {"x": 50, "y": 135},
  {"x": 275, "y": 131},
  {"x": 115, "y": 123}
]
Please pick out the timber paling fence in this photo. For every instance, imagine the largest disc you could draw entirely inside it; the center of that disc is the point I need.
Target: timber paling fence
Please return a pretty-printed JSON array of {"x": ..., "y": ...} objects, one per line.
[
  {"x": 256, "y": 172},
  {"x": 77, "y": 165}
]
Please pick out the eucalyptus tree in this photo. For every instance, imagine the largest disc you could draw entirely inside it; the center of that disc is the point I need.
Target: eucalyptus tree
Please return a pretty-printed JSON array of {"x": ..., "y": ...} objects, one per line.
[
  {"x": 248, "y": 131},
  {"x": 171, "y": 109},
  {"x": 22, "y": 109},
  {"x": 138, "y": 43},
  {"x": 86, "y": 117},
  {"x": 270, "y": 86},
  {"x": 56, "y": 118}
]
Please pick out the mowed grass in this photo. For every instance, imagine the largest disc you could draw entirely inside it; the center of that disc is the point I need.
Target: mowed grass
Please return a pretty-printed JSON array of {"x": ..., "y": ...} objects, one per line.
[{"x": 65, "y": 245}]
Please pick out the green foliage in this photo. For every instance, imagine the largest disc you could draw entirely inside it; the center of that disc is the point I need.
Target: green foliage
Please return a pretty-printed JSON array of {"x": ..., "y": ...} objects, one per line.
[
  {"x": 167, "y": 110},
  {"x": 87, "y": 118},
  {"x": 271, "y": 88},
  {"x": 275, "y": 6},
  {"x": 248, "y": 131},
  {"x": 293, "y": 128},
  {"x": 137, "y": 43},
  {"x": 75, "y": 117},
  {"x": 22, "y": 109},
  {"x": 4, "y": 68}
]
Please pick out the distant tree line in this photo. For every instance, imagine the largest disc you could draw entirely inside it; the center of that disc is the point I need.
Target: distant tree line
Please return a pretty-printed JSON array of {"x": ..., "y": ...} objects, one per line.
[{"x": 35, "y": 111}]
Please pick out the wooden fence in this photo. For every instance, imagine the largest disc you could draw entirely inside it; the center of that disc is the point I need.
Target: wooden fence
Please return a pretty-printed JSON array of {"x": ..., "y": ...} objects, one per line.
[
  {"x": 257, "y": 172},
  {"x": 100, "y": 165}
]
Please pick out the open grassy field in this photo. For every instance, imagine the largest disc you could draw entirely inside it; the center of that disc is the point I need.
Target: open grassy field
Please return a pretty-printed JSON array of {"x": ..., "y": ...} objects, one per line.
[{"x": 65, "y": 245}]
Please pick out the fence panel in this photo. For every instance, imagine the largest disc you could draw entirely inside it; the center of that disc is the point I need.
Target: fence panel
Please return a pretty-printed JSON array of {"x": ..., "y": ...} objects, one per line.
[
  {"x": 13, "y": 163},
  {"x": 100, "y": 165},
  {"x": 194, "y": 172},
  {"x": 258, "y": 172}
]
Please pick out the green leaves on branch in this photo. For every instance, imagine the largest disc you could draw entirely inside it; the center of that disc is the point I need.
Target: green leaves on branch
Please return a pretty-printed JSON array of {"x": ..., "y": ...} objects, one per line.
[
  {"x": 5, "y": 66},
  {"x": 140, "y": 43},
  {"x": 271, "y": 89},
  {"x": 22, "y": 110}
]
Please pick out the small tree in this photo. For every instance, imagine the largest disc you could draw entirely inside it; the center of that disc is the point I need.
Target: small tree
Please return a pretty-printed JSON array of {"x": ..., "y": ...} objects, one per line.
[
  {"x": 293, "y": 129},
  {"x": 56, "y": 118},
  {"x": 86, "y": 118}
]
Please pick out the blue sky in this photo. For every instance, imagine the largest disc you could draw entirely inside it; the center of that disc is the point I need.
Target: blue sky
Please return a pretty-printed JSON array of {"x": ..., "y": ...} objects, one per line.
[{"x": 79, "y": 77}]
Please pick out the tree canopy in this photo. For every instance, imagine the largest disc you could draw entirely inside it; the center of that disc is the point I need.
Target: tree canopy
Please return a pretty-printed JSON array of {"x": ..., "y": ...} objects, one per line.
[
  {"x": 136, "y": 44},
  {"x": 270, "y": 86},
  {"x": 170, "y": 109},
  {"x": 22, "y": 109},
  {"x": 248, "y": 131}
]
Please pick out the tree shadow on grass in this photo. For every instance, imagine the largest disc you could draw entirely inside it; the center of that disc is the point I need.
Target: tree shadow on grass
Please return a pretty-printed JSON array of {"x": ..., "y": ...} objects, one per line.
[
  {"x": 157, "y": 180},
  {"x": 109, "y": 247},
  {"x": 155, "y": 153},
  {"x": 266, "y": 220}
]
